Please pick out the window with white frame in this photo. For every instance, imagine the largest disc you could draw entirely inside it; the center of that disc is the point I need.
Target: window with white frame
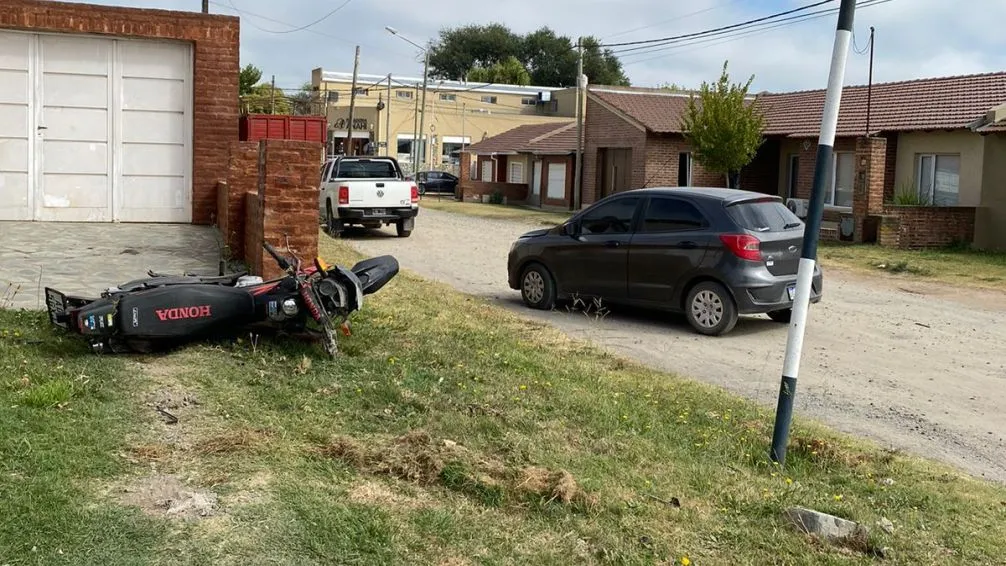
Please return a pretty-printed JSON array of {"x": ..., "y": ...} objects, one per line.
[
  {"x": 448, "y": 97},
  {"x": 938, "y": 177},
  {"x": 529, "y": 100},
  {"x": 488, "y": 99},
  {"x": 403, "y": 93},
  {"x": 516, "y": 172},
  {"x": 842, "y": 177}
]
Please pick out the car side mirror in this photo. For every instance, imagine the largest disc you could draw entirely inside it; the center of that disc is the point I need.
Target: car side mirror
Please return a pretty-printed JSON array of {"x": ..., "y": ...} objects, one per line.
[{"x": 571, "y": 229}]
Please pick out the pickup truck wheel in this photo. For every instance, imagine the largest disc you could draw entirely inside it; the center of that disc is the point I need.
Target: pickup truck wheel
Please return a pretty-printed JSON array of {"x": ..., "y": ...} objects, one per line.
[
  {"x": 400, "y": 229},
  {"x": 333, "y": 225}
]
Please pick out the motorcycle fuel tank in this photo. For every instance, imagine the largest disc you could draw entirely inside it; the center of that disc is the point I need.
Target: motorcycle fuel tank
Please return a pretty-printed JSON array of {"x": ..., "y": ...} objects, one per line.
[{"x": 183, "y": 310}]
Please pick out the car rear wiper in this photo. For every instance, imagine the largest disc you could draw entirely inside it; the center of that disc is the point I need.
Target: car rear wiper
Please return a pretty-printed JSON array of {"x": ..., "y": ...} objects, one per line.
[{"x": 792, "y": 225}]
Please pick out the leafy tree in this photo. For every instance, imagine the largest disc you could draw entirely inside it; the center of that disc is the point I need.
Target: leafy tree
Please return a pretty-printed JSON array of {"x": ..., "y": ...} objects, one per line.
[
  {"x": 509, "y": 71},
  {"x": 302, "y": 102},
  {"x": 548, "y": 59},
  {"x": 249, "y": 77},
  {"x": 260, "y": 100},
  {"x": 724, "y": 130},
  {"x": 675, "y": 87}
]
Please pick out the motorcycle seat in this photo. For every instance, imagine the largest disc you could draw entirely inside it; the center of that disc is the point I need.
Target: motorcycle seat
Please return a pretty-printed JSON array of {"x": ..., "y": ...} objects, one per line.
[{"x": 167, "y": 280}]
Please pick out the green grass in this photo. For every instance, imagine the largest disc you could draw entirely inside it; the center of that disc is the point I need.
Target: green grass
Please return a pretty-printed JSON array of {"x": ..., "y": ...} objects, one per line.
[
  {"x": 971, "y": 268},
  {"x": 450, "y": 432},
  {"x": 506, "y": 212}
]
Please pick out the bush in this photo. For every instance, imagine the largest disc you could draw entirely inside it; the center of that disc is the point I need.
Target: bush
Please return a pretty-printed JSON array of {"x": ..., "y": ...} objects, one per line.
[{"x": 496, "y": 198}]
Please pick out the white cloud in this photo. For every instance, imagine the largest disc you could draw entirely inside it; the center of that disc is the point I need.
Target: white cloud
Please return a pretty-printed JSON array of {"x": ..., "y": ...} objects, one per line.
[{"x": 915, "y": 38}]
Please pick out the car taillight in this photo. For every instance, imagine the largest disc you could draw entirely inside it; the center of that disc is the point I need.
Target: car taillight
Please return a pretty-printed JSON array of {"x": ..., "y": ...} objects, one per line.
[
  {"x": 415, "y": 194},
  {"x": 743, "y": 246},
  {"x": 343, "y": 195}
]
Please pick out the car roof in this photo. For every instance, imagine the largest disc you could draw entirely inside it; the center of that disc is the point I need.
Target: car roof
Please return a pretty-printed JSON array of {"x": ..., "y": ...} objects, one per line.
[{"x": 706, "y": 193}]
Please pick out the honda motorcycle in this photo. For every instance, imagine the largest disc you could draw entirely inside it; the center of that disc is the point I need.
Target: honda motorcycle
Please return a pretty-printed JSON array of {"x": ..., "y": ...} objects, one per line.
[{"x": 163, "y": 311}]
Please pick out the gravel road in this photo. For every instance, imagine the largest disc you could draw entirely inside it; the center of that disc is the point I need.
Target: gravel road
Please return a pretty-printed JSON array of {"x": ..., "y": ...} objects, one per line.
[{"x": 918, "y": 367}]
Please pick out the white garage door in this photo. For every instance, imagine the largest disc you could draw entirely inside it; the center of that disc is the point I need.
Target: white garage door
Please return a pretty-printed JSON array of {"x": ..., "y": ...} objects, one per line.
[
  {"x": 556, "y": 181},
  {"x": 94, "y": 129}
]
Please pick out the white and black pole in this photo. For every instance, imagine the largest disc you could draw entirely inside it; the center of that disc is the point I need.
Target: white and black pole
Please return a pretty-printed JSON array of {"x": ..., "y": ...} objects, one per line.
[{"x": 808, "y": 256}]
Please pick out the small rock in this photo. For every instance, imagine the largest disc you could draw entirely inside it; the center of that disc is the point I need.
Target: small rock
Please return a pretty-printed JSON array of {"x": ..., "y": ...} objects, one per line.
[
  {"x": 823, "y": 525},
  {"x": 450, "y": 443},
  {"x": 886, "y": 524},
  {"x": 887, "y": 481},
  {"x": 885, "y": 552}
]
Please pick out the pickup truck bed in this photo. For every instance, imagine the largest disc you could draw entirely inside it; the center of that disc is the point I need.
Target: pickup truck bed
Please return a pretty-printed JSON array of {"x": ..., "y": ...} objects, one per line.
[{"x": 369, "y": 192}]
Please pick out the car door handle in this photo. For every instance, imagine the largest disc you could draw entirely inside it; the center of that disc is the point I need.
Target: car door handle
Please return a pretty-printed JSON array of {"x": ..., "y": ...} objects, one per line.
[
  {"x": 612, "y": 244},
  {"x": 688, "y": 245}
]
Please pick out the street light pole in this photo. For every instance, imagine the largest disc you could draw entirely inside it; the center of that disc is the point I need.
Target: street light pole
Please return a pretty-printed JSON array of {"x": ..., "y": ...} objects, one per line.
[
  {"x": 808, "y": 256},
  {"x": 422, "y": 110}
]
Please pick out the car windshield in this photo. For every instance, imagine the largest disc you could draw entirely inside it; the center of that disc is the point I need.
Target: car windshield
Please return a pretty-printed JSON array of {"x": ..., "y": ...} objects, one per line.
[
  {"x": 764, "y": 216},
  {"x": 365, "y": 169}
]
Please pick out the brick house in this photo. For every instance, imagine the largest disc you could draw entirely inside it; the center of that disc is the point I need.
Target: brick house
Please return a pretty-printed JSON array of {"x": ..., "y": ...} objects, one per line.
[
  {"x": 532, "y": 164},
  {"x": 115, "y": 114},
  {"x": 935, "y": 143}
]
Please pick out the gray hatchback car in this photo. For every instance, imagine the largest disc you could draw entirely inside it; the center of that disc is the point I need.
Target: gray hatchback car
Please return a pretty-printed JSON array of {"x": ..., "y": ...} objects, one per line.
[{"x": 711, "y": 253}]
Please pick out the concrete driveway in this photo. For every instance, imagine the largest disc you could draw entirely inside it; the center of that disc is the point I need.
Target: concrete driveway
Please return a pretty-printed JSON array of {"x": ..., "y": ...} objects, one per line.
[
  {"x": 918, "y": 367},
  {"x": 84, "y": 258}
]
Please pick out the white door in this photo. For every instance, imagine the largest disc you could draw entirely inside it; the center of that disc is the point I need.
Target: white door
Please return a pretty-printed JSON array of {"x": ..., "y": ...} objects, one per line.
[
  {"x": 16, "y": 180},
  {"x": 73, "y": 157},
  {"x": 536, "y": 179},
  {"x": 556, "y": 188},
  {"x": 155, "y": 133},
  {"x": 94, "y": 129}
]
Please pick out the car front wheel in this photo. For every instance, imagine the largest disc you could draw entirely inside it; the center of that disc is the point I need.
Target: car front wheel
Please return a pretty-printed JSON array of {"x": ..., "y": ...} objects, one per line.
[
  {"x": 710, "y": 309},
  {"x": 537, "y": 288}
]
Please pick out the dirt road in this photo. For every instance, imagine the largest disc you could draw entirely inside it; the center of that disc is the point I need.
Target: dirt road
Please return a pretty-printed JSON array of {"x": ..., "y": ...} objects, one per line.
[{"x": 914, "y": 366}]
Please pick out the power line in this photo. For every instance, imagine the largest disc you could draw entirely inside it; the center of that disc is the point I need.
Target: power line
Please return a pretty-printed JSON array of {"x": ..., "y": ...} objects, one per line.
[
  {"x": 739, "y": 34},
  {"x": 675, "y": 19},
  {"x": 297, "y": 28},
  {"x": 719, "y": 29}
]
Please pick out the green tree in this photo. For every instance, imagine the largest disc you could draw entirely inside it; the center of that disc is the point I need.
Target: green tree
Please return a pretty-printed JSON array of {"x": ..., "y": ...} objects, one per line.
[
  {"x": 249, "y": 76},
  {"x": 261, "y": 100},
  {"x": 302, "y": 102},
  {"x": 509, "y": 71},
  {"x": 549, "y": 59},
  {"x": 724, "y": 130}
]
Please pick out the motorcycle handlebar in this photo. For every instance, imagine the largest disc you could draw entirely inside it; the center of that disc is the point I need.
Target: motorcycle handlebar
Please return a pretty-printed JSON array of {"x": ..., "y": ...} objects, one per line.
[{"x": 280, "y": 260}]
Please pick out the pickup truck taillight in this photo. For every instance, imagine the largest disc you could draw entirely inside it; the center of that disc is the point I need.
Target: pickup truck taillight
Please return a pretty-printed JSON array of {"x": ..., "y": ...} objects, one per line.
[
  {"x": 415, "y": 194},
  {"x": 343, "y": 195}
]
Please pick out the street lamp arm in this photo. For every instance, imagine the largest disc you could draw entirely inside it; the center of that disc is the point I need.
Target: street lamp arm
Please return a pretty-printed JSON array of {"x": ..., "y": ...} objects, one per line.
[{"x": 394, "y": 32}]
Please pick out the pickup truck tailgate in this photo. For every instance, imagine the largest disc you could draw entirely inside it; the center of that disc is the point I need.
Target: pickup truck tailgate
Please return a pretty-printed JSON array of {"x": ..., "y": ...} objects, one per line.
[{"x": 378, "y": 194}]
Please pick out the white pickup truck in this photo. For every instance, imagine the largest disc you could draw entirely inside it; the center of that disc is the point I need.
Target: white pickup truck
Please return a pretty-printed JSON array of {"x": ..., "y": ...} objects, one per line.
[{"x": 369, "y": 192}]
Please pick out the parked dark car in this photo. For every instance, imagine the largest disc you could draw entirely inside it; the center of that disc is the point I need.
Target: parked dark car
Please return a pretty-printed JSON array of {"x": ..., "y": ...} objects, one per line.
[
  {"x": 710, "y": 253},
  {"x": 436, "y": 182}
]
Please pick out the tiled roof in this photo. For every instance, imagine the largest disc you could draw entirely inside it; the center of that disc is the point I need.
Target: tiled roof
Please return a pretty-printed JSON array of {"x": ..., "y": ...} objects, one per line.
[
  {"x": 923, "y": 104},
  {"x": 550, "y": 138}
]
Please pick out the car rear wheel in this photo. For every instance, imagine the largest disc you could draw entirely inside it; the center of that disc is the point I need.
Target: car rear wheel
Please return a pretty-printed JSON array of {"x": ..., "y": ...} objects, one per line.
[
  {"x": 784, "y": 316},
  {"x": 537, "y": 288},
  {"x": 333, "y": 225},
  {"x": 710, "y": 309}
]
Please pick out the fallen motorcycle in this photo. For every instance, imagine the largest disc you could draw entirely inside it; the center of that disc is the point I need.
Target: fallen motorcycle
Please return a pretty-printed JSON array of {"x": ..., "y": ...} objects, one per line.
[{"x": 164, "y": 311}]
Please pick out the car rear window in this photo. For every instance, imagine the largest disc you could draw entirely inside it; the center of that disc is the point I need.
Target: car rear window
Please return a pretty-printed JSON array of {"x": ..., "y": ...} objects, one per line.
[
  {"x": 365, "y": 170},
  {"x": 764, "y": 216}
]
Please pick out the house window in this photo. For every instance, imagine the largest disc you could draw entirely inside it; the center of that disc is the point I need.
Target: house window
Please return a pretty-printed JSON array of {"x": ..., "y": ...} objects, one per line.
[
  {"x": 403, "y": 93},
  {"x": 516, "y": 172},
  {"x": 487, "y": 170},
  {"x": 332, "y": 95},
  {"x": 684, "y": 169},
  {"x": 473, "y": 168},
  {"x": 529, "y": 101},
  {"x": 938, "y": 178},
  {"x": 489, "y": 99},
  {"x": 362, "y": 91},
  {"x": 448, "y": 97},
  {"x": 843, "y": 175}
]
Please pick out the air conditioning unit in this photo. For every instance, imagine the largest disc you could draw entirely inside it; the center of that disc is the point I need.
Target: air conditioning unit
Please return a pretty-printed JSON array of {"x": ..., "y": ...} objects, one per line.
[
  {"x": 799, "y": 206},
  {"x": 544, "y": 96}
]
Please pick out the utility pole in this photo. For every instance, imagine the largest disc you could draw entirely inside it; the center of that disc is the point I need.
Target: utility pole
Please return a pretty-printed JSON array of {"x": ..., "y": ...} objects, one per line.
[
  {"x": 422, "y": 116},
  {"x": 808, "y": 256},
  {"x": 352, "y": 105},
  {"x": 869, "y": 87},
  {"x": 414, "y": 157},
  {"x": 206, "y": 6},
  {"x": 463, "y": 112},
  {"x": 580, "y": 87},
  {"x": 387, "y": 121},
  {"x": 272, "y": 96}
]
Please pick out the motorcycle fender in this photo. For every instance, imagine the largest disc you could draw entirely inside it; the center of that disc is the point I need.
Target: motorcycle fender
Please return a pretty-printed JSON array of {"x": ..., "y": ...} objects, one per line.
[{"x": 184, "y": 310}]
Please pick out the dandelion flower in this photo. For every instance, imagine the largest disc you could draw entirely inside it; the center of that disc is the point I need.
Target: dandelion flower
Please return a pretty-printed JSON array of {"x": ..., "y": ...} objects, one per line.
[
  {"x": 685, "y": 561},
  {"x": 838, "y": 497}
]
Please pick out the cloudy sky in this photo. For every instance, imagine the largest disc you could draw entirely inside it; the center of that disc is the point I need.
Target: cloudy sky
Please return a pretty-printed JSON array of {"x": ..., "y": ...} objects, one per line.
[{"x": 914, "y": 38}]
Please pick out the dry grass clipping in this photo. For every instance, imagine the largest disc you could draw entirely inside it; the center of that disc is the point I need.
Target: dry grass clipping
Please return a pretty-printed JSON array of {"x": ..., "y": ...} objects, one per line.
[
  {"x": 553, "y": 485},
  {"x": 411, "y": 457}
]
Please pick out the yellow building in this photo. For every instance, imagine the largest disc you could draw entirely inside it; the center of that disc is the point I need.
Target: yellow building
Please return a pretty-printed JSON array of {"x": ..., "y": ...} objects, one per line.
[{"x": 386, "y": 113}]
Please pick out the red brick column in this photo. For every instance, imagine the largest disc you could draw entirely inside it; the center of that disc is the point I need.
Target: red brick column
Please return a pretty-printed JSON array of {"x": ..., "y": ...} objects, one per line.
[
  {"x": 242, "y": 177},
  {"x": 286, "y": 205},
  {"x": 868, "y": 193}
]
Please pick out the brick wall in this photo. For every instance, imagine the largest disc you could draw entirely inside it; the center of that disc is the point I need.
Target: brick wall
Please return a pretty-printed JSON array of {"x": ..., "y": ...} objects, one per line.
[
  {"x": 215, "y": 84},
  {"x": 890, "y": 166},
  {"x": 868, "y": 190},
  {"x": 604, "y": 128},
  {"x": 663, "y": 152},
  {"x": 242, "y": 178},
  {"x": 285, "y": 204},
  {"x": 918, "y": 227}
]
